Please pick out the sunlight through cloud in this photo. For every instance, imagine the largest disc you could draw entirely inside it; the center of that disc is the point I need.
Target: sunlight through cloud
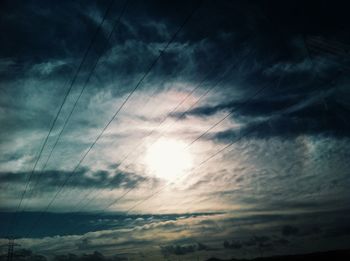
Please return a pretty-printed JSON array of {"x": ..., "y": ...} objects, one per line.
[{"x": 168, "y": 158}]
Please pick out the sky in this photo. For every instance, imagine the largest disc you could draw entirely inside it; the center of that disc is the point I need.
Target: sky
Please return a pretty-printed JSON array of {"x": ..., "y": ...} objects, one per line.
[{"x": 179, "y": 129}]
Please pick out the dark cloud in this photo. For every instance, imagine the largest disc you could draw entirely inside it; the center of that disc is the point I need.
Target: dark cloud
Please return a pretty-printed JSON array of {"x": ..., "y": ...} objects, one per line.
[
  {"x": 261, "y": 242},
  {"x": 289, "y": 230},
  {"x": 28, "y": 255},
  {"x": 253, "y": 108},
  {"x": 196, "y": 50},
  {"x": 48, "y": 22},
  {"x": 339, "y": 230},
  {"x": 233, "y": 244},
  {"x": 95, "y": 256},
  {"x": 281, "y": 117},
  {"x": 182, "y": 249},
  {"x": 256, "y": 241},
  {"x": 82, "y": 178},
  {"x": 25, "y": 255},
  {"x": 289, "y": 127},
  {"x": 79, "y": 223},
  {"x": 281, "y": 242}
]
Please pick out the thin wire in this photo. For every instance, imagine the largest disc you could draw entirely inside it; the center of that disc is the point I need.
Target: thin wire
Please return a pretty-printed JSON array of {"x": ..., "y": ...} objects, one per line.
[
  {"x": 117, "y": 22},
  {"x": 226, "y": 116},
  {"x": 168, "y": 184},
  {"x": 57, "y": 115},
  {"x": 158, "y": 191},
  {"x": 153, "y": 130},
  {"x": 124, "y": 194},
  {"x": 195, "y": 140},
  {"x": 117, "y": 112},
  {"x": 149, "y": 97},
  {"x": 202, "y": 163},
  {"x": 276, "y": 87},
  {"x": 191, "y": 107},
  {"x": 141, "y": 143},
  {"x": 311, "y": 60},
  {"x": 132, "y": 188},
  {"x": 163, "y": 120},
  {"x": 149, "y": 70},
  {"x": 182, "y": 115},
  {"x": 178, "y": 118},
  {"x": 213, "y": 126},
  {"x": 207, "y": 159}
]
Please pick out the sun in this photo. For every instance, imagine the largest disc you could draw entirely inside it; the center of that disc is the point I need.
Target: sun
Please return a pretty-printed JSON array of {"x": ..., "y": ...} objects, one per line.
[{"x": 168, "y": 158}]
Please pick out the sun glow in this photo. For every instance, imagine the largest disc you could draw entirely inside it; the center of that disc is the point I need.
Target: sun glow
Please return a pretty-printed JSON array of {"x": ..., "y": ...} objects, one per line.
[{"x": 168, "y": 159}]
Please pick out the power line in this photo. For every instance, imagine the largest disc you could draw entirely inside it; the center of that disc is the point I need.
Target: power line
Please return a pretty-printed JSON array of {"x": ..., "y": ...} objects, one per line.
[
  {"x": 178, "y": 118},
  {"x": 200, "y": 164},
  {"x": 204, "y": 161},
  {"x": 256, "y": 127},
  {"x": 145, "y": 137},
  {"x": 163, "y": 121},
  {"x": 58, "y": 113},
  {"x": 117, "y": 112},
  {"x": 224, "y": 148},
  {"x": 226, "y": 116},
  {"x": 117, "y": 22},
  {"x": 242, "y": 104},
  {"x": 154, "y": 129},
  {"x": 158, "y": 191},
  {"x": 10, "y": 251},
  {"x": 151, "y": 145},
  {"x": 213, "y": 126},
  {"x": 192, "y": 106},
  {"x": 149, "y": 134},
  {"x": 207, "y": 159},
  {"x": 158, "y": 126},
  {"x": 168, "y": 184}
]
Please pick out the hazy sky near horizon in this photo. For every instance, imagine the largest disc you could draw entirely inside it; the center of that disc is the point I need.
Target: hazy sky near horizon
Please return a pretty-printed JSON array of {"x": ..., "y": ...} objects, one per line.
[{"x": 236, "y": 143}]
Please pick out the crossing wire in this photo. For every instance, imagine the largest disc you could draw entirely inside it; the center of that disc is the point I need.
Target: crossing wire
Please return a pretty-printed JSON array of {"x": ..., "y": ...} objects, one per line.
[
  {"x": 116, "y": 113},
  {"x": 200, "y": 136},
  {"x": 190, "y": 144},
  {"x": 189, "y": 109},
  {"x": 204, "y": 161},
  {"x": 154, "y": 129},
  {"x": 212, "y": 87},
  {"x": 143, "y": 140},
  {"x": 199, "y": 165},
  {"x": 178, "y": 118},
  {"x": 129, "y": 190},
  {"x": 117, "y": 22},
  {"x": 13, "y": 221}
]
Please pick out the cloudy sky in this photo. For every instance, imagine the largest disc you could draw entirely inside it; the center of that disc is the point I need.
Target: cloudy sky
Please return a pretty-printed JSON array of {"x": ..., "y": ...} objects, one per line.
[{"x": 188, "y": 129}]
